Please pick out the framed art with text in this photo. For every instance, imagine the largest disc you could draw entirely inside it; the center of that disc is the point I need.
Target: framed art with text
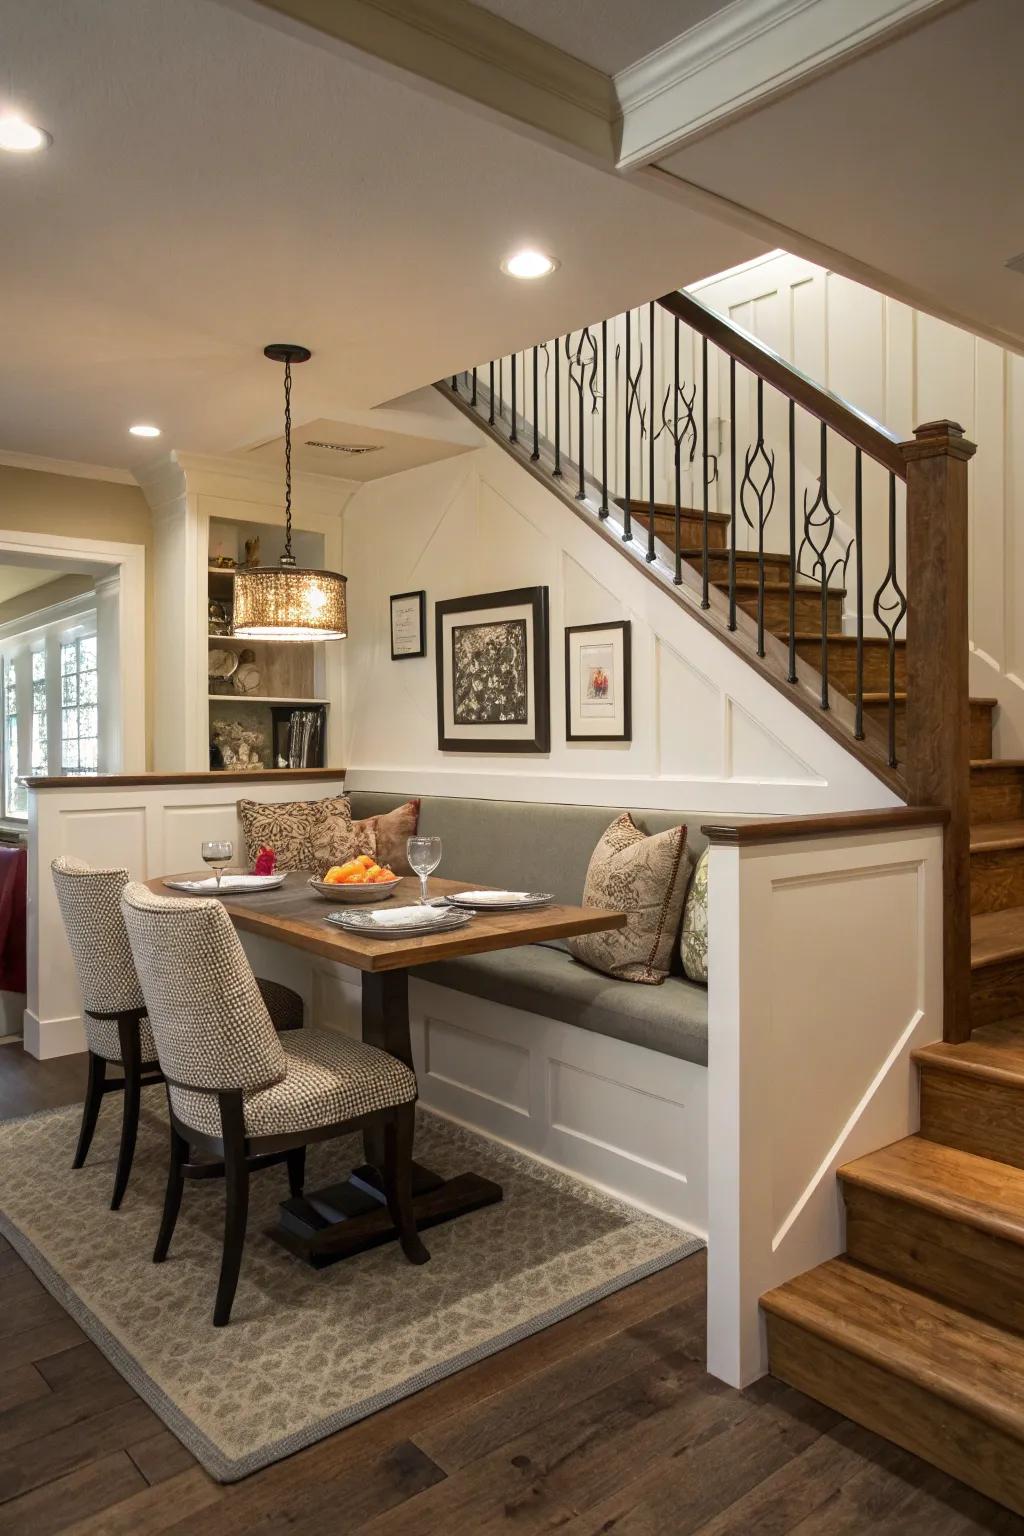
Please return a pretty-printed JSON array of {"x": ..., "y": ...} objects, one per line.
[
  {"x": 492, "y": 672},
  {"x": 408, "y": 625},
  {"x": 598, "y": 682}
]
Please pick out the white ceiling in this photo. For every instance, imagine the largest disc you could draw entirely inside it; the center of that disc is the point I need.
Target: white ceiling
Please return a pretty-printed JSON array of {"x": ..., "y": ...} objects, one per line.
[
  {"x": 609, "y": 34},
  {"x": 215, "y": 184},
  {"x": 906, "y": 159}
]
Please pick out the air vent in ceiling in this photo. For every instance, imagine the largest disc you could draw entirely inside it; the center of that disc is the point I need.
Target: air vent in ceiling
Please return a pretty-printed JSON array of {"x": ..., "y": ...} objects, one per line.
[
  {"x": 1016, "y": 263},
  {"x": 312, "y": 442}
]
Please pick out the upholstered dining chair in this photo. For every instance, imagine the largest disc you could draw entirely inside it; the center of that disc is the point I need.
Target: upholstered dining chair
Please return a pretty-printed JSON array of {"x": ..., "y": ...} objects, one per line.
[
  {"x": 117, "y": 1030},
  {"x": 238, "y": 1091}
]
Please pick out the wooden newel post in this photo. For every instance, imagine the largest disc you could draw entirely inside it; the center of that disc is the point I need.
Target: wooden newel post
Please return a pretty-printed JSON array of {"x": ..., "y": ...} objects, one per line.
[{"x": 937, "y": 767}]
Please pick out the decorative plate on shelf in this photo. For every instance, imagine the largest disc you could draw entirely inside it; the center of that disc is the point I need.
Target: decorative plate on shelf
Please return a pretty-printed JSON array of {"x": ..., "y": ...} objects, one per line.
[{"x": 222, "y": 664}]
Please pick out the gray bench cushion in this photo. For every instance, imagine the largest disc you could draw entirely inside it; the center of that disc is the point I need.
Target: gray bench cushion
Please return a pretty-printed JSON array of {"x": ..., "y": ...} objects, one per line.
[{"x": 672, "y": 1018}]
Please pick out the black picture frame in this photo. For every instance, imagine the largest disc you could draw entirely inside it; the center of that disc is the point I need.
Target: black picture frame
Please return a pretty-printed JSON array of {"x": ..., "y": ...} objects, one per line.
[
  {"x": 625, "y": 628},
  {"x": 399, "y": 597},
  {"x": 535, "y": 599}
]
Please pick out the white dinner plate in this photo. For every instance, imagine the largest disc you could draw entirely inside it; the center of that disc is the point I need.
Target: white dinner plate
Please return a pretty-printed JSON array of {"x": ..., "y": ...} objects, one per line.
[
  {"x": 396, "y": 923},
  {"x": 501, "y": 901},
  {"x": 234, "y": 885}
]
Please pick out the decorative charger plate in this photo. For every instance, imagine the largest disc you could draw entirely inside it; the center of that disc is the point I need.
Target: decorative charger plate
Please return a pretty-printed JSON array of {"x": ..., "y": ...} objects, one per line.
[
  {"x": 500, "y": 901},
  {"x": 238, "y": 885},
  {"x": 396, "y": 923}
]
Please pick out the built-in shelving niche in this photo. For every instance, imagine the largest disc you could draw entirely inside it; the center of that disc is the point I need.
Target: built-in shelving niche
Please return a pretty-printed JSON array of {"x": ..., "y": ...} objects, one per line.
[{"x": 282, "y": 678}]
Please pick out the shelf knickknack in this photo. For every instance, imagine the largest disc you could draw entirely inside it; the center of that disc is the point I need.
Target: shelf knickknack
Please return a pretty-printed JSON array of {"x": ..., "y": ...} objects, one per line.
[{"x": 493, "y": 672}]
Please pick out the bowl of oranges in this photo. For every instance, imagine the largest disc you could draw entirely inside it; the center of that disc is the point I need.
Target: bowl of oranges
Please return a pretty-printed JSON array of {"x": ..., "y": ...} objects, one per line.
[{"x": 358, "y": 879}]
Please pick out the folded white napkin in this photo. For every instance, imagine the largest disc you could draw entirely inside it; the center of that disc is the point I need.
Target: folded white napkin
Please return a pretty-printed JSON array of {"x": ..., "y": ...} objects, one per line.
[{"x": 408, "y": 917}]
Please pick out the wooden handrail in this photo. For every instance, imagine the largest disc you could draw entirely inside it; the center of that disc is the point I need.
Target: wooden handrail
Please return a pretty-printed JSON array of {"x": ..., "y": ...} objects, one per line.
[{"x": 845, "y": 419}]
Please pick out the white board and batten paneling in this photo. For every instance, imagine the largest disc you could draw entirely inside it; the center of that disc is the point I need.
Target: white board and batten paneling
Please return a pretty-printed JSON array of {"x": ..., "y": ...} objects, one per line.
[{"x": 905, "y": 367}]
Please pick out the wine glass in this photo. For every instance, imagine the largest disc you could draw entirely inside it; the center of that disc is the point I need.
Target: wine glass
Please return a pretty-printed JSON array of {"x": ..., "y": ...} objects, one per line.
[
  {"x": 424, "y": 855},
  {"x": 218, "y": 855}
]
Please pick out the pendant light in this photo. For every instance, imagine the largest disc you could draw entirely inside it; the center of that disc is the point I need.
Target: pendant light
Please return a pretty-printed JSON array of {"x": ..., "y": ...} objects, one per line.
[{"x": 284, "y": 602}]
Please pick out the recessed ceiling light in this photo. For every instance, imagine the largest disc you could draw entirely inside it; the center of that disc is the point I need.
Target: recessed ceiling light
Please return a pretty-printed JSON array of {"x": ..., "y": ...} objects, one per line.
[
  {"x": 143, "y": 430},
  {"x": 528, "y": 264},
  {"x": 19, "y": 137}
]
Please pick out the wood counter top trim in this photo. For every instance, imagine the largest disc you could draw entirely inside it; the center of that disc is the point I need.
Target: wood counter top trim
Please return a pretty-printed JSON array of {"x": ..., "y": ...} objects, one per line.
[
  {"x": 785, "y": 829},
  {"x": 152, "y": 780}
]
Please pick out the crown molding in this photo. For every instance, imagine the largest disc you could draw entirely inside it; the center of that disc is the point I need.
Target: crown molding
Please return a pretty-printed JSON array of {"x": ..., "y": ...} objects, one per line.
[
  {"x": 70, "y": 467},
  {"x": 741, "y": 57},
  {"x": 466, "y": 50}
]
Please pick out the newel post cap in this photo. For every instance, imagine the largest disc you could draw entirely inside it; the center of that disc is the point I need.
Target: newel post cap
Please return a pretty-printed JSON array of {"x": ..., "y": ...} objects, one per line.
[{"x": 934, "y": 439}]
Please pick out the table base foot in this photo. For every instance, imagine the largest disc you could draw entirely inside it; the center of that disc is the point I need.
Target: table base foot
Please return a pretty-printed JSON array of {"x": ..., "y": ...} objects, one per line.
[{"x": 343, "y": 1219}]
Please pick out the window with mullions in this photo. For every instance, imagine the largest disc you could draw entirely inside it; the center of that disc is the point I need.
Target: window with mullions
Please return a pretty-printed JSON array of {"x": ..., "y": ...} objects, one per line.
[
  {"x": 15, "y": 794},
  {"x": 79, "y": 724}
]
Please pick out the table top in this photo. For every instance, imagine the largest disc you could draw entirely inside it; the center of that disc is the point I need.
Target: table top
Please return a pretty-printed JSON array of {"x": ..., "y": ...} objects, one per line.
[{"x": 294, "y": 914}]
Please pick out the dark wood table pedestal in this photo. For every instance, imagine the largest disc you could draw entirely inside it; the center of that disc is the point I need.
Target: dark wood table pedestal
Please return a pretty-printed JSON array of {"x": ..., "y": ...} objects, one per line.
[{"x": 362, "y": 1220}]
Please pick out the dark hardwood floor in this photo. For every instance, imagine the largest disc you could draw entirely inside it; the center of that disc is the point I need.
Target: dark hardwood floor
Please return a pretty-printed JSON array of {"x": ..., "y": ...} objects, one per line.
[{"x": 605, "y": 1423}]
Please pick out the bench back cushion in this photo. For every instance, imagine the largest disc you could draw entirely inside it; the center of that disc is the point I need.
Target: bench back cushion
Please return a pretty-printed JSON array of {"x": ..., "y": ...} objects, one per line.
[{"x": 517, "y": 844}]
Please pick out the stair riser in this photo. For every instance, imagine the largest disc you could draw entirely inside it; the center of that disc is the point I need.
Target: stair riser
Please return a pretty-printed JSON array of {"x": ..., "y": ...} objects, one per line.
[
  {"x": 941, "y": 1432},
  {"x": 997, "y": 992},
  {"x": 981, "y": 726},
  {"x": 997, "y": 794},
  {"x": 691, "y": 530},
  {"x": 957, "y": 1263},
  {"x": 776, "y": 567},
  {"x": 776, "y": 610},
  {"x": 975, "y": 1114},
  {"x": 842, "y": 665},
  {"x": 997, "y": 880}
]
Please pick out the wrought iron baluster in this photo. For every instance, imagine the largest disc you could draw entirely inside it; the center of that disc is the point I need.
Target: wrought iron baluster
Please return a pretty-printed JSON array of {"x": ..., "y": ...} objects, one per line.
[
  {"x": 652, "y": 437},
  {"x": 627, "y": 520},
  {"x": 677, "y": 531},
  {"x": 890, "y": 614},
  {"x": 858, "y": 540},
  {"x": 490, "y": 413},
  {"x": 501, "y": 387},
  {"x": 513, "y": 436},
  {"x": 557, "y": 471},
  {"x": 472, "y": 398},
  {"x": 679, "y": 432},
  {"x": 705, "y": 600},
  {"x": 757, "y": 499},
  {"x": 820, "y": 519},
  {"x": 455, "y": 382},
  {"x": 604, "y": 419},
  {"x": 732, "y": 493},
  {"x": 582, "y": 363},
  {"x": 535, "y": 455},
  {"x": 794, "y": 553}
]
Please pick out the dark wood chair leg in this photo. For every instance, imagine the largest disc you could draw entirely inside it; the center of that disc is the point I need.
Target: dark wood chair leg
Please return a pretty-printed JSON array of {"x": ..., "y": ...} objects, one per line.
[
  {"x": 172, "y": 1197},
  {"x": 296, "y": 1170},
  {"x": 91, "y": 1107},
  {"x": 236, "y": 1209},
  {"x": 398, "y": 1138},
  {"x": 132, "y": 1062}
]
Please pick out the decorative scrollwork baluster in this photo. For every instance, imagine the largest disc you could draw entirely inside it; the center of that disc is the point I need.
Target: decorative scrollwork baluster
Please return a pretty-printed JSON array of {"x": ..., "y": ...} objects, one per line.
[
  {"x": 604, "y": 420},
  {"x": 513, "y": 435},
  {"x": 890, "y": 609},
  {"x": 819, "y": 532},
  {"x": 757, "y": 498},
  {"x": 472, "y": 398},
  {"x": 681, "y": 427},
  {"x": 633, "y": 403},
  {"x": 582, "y": 361}
]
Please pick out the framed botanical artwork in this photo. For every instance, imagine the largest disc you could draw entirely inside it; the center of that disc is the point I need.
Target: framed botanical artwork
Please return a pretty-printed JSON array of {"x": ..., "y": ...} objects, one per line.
[
  {"x": 408, "y": 625},
  {"x": 492, "y": 672},
  {"x": 598, "y": 682}
]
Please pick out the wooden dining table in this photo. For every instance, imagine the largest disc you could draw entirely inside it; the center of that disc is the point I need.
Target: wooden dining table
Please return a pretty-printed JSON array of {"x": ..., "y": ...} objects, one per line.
[{"x": 351, "y": 1215}]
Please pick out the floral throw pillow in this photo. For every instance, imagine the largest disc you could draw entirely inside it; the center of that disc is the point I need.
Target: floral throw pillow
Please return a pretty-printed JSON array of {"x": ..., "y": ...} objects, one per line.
[
  {"x": 645, "y": 877},
  {"x": 390, "y": 833},
  {"x": 693, "y": 944},
  {"x": 305, "y": 834}
]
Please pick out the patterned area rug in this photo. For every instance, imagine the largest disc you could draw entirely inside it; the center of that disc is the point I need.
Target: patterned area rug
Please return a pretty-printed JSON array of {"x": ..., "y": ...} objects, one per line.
[{"x": 306, "y": 1352}]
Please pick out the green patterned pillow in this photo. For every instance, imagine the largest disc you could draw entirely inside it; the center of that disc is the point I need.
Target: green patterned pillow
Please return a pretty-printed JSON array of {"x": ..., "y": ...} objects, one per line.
[{"x": 694, "y": 942}]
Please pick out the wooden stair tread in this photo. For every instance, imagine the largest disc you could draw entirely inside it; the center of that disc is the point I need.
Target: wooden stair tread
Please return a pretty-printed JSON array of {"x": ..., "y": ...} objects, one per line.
[
  {"x": 809, "y": 636},
  {"x": 746, "y": 584},
  {"x": 996, "y": 936},
  {"x": 988, "y": 836},
  {"x": 950, "y": 1353},
  {"x": 881, "y": 697},
  {"x": 994, "y": 1051},
  {"x": 958, "y": 1185},
  {"x": 981, "y": 764},
  {"x": 668, "y": 509}
]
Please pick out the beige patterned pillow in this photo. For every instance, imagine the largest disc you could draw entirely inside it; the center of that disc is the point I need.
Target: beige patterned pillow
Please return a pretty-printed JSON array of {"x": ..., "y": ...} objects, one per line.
[
  {"x": 305, "y": 834},
  {"x": 390, "y": 832},
  {"x": 645, "y": 877},
  {"x": 693, "y": 943}
]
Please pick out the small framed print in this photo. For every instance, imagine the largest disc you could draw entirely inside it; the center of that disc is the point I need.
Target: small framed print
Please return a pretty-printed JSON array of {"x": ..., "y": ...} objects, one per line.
[
  {"x": 408, "y": 625},
  {"x": 598, "y": 682},
  {"x": 492, "y": 672}
]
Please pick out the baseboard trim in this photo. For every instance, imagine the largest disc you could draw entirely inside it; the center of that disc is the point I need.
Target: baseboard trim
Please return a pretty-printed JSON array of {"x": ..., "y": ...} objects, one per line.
[{"x": 45, "y": 1038}]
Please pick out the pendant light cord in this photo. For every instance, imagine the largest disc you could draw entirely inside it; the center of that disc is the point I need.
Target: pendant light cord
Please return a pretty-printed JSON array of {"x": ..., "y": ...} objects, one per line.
[{"x": 288, "y": 558}]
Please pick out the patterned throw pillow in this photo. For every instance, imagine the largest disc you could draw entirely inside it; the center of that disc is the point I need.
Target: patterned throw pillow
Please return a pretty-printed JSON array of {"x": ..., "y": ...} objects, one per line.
[
  {"x": 693, "y": 944},
  {"x": 645, "y": 877},
  {"x": 390, "y": 832},
  {"x": 305, "y": 834}
]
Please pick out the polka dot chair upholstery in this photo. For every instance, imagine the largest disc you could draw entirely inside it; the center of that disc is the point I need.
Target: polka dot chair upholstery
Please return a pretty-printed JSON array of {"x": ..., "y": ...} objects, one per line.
[
  {"x": 233, "y": 1084},
  {"x": 114, "y": 1009}
]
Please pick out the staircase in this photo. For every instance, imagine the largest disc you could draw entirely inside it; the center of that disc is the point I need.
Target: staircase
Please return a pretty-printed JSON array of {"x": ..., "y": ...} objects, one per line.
[{"x": 918, "y": 1329}]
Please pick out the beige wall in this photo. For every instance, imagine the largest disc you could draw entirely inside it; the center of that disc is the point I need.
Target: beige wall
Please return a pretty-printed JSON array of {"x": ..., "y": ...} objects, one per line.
[{"x": 35, "y": 501}]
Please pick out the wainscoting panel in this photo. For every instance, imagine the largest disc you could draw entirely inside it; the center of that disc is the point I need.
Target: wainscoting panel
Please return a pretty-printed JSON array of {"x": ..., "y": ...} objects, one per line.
[{"x": 490, "y": 1068}]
